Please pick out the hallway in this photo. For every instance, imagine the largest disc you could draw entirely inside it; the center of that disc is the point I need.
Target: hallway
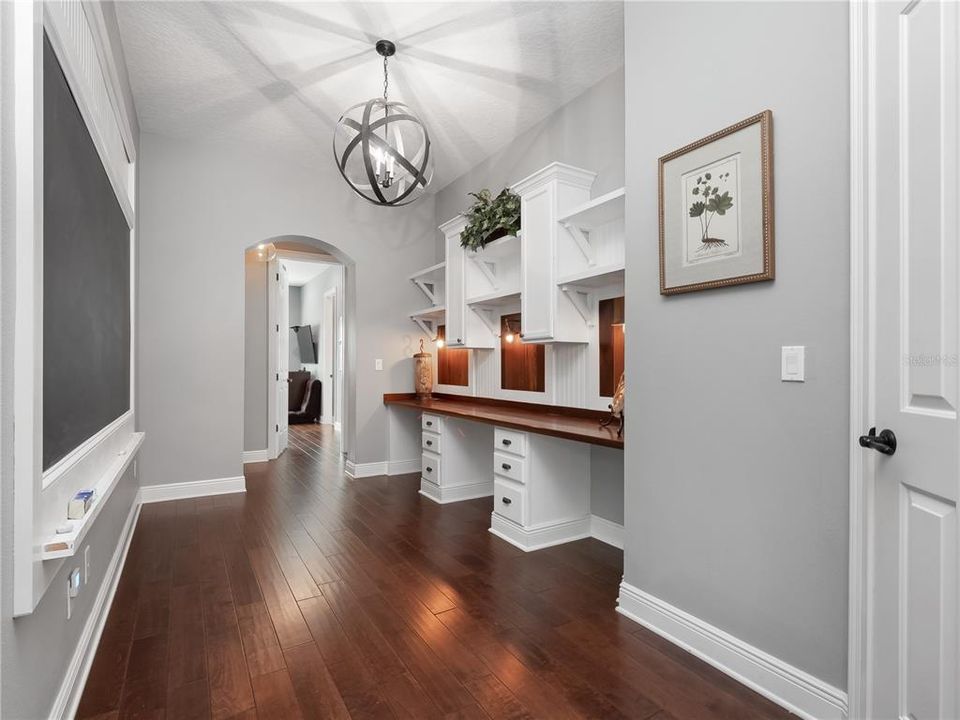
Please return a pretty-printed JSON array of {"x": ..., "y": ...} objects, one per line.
[{"x": 314, "y": 595}]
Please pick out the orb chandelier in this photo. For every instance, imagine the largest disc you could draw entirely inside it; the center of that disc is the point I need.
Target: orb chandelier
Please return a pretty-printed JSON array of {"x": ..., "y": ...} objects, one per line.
[{"x": 382, "y": 149}]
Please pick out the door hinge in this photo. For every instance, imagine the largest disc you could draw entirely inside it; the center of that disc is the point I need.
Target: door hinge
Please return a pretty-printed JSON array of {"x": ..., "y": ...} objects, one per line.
[
  {"x": 278, "y": 376},
  {"x": 278, "y": 276},
  {"x": 278, "y": 327},
  {"x": 276, "y": 428}
]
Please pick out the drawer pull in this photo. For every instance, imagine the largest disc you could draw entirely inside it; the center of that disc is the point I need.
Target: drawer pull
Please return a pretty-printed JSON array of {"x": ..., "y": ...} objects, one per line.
[
  {"x": 429, "y": 443},
  {"x": 507, "y": 442},
  {"x": 429, "y": 469},
  {"x": 505, "y": 466},
  {"x": 429, "y": 423},
  {"x": 506, "y": 500}
]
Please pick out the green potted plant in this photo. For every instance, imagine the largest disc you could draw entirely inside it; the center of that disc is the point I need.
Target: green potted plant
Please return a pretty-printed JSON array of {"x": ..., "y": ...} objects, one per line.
[{"x": 490, "y": 218}]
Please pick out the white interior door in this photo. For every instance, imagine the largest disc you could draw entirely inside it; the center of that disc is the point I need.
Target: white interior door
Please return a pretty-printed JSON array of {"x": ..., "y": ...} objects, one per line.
[
  {"x": 913, "y": 639},
  {"x": 283, "y": 356}
]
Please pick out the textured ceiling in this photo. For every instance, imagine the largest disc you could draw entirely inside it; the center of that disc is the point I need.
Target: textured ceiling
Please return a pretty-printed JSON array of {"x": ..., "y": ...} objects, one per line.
[{"x": 278, "y": 74}]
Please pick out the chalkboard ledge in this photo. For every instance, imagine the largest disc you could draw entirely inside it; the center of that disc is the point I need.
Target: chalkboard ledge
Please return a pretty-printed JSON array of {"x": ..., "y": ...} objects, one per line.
[{"x": 63, "y": 545}]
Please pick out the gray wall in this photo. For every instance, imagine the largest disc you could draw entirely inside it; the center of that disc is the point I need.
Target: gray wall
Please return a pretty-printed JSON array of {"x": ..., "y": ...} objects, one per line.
[
  {"x": 586, "y": 132},
  {"x": 202, "y": 205},
  {"x": 255, "y": 353},
  {"x": 295, "y": 292},
  {"x": 736, "y": 483},
  {"x": 36, "y": 650}
]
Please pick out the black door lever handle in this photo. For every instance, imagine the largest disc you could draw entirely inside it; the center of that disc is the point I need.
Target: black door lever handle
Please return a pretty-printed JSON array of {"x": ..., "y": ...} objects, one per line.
[{"x": 885, "y": 442}]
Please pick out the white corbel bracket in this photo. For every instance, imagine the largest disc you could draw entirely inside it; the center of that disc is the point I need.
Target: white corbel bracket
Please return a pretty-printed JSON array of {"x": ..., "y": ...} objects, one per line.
[
  {"x": 582, "y": 301},
  {"x": 428, "y": 326},
  {"x": 488, "y": 269},
  {"x": 428, "y": 289},
  {"x": 582, "y": 242},
  {"x": 486, "y": 316}
]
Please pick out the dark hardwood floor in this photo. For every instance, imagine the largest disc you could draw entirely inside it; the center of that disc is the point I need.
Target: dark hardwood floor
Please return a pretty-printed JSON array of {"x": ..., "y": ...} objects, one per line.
[{"x": 317, "y": 596}]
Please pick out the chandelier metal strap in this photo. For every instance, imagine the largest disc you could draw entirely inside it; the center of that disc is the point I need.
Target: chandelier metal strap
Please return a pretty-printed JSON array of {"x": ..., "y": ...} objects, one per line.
[{"x": 395, "y": 165}]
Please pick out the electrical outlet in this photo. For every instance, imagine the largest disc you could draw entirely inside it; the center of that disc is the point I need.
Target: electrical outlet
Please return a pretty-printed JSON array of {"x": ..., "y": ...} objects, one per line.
[
  {"x": 73, "y": 589},
  {"x": 378, "y": 364},
  {"x": 86, "y": 565}
]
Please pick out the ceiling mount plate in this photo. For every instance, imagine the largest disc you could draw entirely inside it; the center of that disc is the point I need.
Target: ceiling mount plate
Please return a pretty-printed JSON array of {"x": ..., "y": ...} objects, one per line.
[{"x": 386, "y": 48}]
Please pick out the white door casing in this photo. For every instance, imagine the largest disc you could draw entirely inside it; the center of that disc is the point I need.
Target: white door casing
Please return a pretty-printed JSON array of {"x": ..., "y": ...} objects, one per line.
[
  {"x": 904, "y": 575},
  {"x": 283, "y": 354},
  {"x": 327, "y": 354}
]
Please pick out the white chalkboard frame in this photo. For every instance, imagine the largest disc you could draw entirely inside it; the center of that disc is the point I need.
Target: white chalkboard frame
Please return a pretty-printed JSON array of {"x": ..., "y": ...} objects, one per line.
[{"x": 77, "y": 35}]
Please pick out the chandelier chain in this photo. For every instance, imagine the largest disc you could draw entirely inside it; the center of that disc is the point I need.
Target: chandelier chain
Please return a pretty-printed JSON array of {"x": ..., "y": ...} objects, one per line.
[{"x": 386, "y": 79}]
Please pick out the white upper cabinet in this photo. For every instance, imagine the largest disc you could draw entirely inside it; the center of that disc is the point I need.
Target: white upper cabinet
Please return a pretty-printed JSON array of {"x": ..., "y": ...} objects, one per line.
[
  {"x": 549, "y": 313},
  {"x": 464, "y": 328}
]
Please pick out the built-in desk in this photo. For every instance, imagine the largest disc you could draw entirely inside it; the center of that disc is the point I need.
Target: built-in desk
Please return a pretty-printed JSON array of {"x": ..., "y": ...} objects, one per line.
[
  {"x": 534, "y": 460},
  {"x": 577, "y": 424}
]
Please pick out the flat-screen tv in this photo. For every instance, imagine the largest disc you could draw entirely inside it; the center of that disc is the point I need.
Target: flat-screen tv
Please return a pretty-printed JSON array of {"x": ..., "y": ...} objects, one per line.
[{"x": 308, "y": 352}]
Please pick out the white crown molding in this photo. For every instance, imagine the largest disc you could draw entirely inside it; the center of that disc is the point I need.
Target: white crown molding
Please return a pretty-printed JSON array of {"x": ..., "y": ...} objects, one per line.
[
  {"x": 454, "y": 224},
  {"x": 195, "y": 488},
  {"x": 788, "y": 686},
  {"x": 555, "y": 171},
  {"x": 71, "y": 689}
]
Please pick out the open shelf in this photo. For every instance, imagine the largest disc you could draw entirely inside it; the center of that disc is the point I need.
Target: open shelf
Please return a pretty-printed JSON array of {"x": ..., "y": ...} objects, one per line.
[
  {"x": 431, "y": 281},
  {"x": 599, "y": 211},
  {"x": 594, "y": 277},
  {"x": 62, "y": 545},
  {"x": 436, "y": 312},
  {"x": 434, "y": 273},
  {"x": 497, "y": 298}
]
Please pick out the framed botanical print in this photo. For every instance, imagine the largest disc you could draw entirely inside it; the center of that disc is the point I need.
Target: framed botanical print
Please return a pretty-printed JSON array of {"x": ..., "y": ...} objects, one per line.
[{"x": 716, "y": 209}]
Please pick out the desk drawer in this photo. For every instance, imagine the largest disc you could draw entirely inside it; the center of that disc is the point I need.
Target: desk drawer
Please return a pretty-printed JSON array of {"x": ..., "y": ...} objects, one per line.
[
  {"x": 508, "y": 466},
  {"x": 430, "y": 467},
  {"x": 433, "y": 423},
  {"x": 430, "y": 441},
  {"x": 509, "y": 500},
  {"x": 510, "y": 441}
]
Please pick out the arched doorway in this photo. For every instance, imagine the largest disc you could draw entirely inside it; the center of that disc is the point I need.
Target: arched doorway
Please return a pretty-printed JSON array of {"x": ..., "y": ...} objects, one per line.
[{"x": 257, "y": 371}]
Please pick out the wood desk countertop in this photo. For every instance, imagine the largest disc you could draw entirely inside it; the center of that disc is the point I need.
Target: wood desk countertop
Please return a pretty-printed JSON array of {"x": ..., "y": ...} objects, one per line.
[{"x": 577, "y": 424}]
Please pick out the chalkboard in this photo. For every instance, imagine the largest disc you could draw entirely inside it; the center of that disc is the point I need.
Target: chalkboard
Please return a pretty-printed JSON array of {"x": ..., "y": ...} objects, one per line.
[{"x": 86, "y": 279}]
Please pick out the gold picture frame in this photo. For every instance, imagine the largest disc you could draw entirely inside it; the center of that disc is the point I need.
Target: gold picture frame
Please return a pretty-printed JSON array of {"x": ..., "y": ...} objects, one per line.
[{"x": 725, "y": 181}]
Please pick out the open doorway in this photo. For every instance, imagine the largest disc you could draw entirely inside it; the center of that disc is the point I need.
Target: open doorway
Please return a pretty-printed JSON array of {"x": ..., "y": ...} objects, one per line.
[{"x": 295, "y": 314}]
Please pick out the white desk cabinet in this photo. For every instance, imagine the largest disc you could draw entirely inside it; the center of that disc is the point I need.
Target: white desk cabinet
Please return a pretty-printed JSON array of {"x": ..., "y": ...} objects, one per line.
[
  {"x": 456, "y": 462},
  {"x": 541, "y": 489}
]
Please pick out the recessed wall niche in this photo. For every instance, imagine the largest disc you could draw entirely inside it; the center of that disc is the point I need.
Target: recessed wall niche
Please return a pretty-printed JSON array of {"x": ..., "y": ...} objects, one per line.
[
  {"x": 612, "y": 329},
  {"x": 453, "y": 364},
  {"x": 522, "y": 365}
]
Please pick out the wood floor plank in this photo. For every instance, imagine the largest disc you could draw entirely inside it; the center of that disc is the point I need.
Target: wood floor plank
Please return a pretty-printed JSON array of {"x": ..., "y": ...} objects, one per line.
[
  {"x": 275, "y": 696},
  {"x": 260, "y": 642},
  {"x": 314, "y": 686},
  {"x": 186, "y": 652},
  {"x": 315, "y": 595}
]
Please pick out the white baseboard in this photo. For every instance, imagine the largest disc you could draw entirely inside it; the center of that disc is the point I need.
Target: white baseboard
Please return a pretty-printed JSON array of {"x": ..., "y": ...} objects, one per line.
[
  {"x": 68, "y": 698},
  {"x": 253, "y": 456},
  {"x": 607, "y": 531},
  {"x": 362, "y": 470},
  {"x": 788, "y": 686},
  {"x": 542, "y": 536},
  {"x": 455, "y": 493},
  {"x": 382, "y": 467},
  {"x": 196, "y": 488},
  {"x": 404, "y": 467}
]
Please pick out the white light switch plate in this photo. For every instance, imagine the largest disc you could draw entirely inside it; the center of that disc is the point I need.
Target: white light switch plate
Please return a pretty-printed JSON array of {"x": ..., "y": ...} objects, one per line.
[
  {"x": 791, "y": 363},
  {"x": 378, "y": 364}
]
